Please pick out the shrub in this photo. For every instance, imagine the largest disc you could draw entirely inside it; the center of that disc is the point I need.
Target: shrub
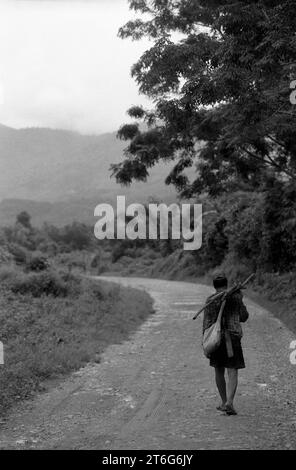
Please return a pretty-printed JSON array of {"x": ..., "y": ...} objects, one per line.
[
  {"x": 20, "y": 254},
  {"x": 5, "y": 256},
  {"x": 38, "y": 263},
  {"x": 38, "y": 284},
  {"x": 95, "y": 262},
  {"x": 118, "y": 252},
  {"x": 8, "y": 273}
]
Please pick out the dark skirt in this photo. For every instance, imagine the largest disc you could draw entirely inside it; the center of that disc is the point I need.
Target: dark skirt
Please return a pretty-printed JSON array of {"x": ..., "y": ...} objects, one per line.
[{"x": 219, "y": 358}]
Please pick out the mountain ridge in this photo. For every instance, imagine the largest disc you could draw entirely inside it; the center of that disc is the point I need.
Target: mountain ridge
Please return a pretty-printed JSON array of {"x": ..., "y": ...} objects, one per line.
[{"x": 61, "y": 167}]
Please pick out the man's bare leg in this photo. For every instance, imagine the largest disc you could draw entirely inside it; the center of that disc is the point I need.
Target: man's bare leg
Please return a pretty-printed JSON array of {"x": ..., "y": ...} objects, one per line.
[
  {"x": 231, "y": 388},
  {"x": 221, "y": 385}
]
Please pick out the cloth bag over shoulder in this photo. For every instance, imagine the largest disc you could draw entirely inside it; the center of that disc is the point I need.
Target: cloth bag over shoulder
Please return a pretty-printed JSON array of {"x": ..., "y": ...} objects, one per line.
[{"x": 212, "y": 335}]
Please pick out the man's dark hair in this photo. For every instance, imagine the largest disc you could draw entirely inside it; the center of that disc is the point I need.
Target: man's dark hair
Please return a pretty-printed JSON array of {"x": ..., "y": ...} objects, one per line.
[{"x": 220, "y": 281}]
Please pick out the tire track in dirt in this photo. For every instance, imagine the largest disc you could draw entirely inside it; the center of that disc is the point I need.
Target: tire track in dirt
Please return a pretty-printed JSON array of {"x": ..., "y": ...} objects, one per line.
[{"x": 144, "y": 416}]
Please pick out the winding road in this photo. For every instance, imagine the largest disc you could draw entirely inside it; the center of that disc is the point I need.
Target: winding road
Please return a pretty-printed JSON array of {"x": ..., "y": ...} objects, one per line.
[{"x": 156, "y": 390}]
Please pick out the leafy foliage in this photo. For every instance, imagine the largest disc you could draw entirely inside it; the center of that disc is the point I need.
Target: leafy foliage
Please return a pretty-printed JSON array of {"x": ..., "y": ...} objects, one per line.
[
  {"x": 252, "y": 229},
  {"x": 223, "y": 82}
]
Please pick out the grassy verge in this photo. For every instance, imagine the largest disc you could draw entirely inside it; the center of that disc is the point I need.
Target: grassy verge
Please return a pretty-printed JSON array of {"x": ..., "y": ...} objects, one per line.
[
  {"x": 277, "y": 294},
  {"x": 45, "y": 336}
]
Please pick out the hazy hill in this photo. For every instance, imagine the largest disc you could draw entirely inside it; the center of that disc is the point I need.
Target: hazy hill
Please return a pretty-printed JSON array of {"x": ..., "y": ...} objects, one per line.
[
  {"x": 54, "y": 165},
  {"x": 68, "y": 170}
]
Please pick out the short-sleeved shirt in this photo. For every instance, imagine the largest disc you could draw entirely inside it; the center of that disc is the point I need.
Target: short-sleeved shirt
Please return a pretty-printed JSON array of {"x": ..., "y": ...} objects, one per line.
[{"x": 234, "y": 313}]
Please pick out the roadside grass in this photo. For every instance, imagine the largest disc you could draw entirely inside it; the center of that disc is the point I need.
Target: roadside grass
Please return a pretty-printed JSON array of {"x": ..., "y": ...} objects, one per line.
[
  {"x": 277, "y": 293},
  {"x": 45, "y": 336}
]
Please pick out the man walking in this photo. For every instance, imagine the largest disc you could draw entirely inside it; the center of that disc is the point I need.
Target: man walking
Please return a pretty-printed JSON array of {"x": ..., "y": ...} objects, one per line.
[{"x": 229, "y": 355}]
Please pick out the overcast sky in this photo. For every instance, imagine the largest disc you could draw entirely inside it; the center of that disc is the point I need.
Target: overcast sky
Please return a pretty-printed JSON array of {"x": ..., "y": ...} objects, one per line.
[{"x": 63, "y": 66}]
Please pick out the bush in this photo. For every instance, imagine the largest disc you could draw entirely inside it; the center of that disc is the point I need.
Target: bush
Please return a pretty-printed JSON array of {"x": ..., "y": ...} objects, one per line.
[
  {"x": 118, "y": 252},
  {"x": 38, "y": 263},
  {"x": 5, "y": 256},
  {"x": 8, "y": 273},
  {"x": 38, "y": 284},
  {"x": 20, "y": 254}
]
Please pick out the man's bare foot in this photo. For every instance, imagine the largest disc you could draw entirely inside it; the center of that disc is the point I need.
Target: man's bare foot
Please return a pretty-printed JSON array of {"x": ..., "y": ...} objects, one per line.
[
  {"x": 221, "y": 407},
  {"x": 230, "y": 410}
]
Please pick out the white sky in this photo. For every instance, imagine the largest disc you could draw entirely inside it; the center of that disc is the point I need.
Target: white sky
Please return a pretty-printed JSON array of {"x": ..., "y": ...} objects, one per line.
[{"x": 63, "y": 66}]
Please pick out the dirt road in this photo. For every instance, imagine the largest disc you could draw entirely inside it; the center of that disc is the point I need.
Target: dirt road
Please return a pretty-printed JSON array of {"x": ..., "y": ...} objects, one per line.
[{"x": 156, "y": 391}]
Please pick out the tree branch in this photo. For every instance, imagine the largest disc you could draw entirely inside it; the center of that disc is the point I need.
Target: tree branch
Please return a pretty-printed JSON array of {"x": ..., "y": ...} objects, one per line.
[{"x": 270, "y": 162}]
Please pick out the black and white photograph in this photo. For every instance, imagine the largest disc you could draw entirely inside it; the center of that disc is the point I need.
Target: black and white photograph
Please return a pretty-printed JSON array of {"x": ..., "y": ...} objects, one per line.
[{"x": 147, "y": 229}]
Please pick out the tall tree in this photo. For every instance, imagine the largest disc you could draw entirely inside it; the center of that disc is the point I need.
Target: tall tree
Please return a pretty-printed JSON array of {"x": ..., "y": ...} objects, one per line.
[{"x": 219, "y": 75}]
